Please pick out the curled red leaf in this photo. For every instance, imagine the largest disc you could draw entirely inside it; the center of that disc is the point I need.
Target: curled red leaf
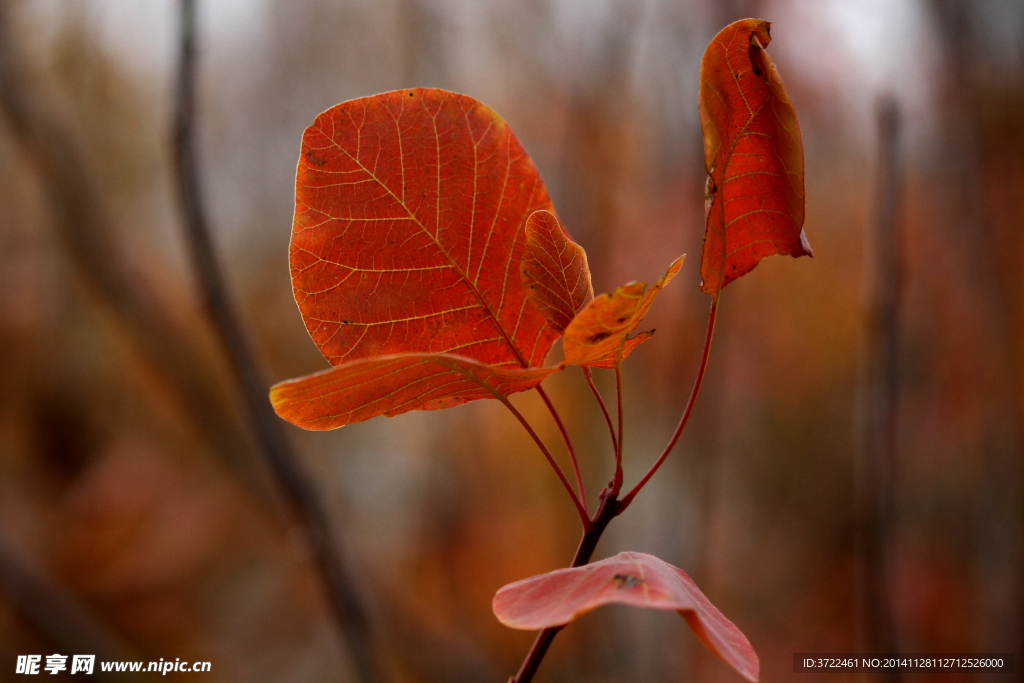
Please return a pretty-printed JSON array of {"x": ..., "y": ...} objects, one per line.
[
  {"x": 599, "y": 334},
  {"x": 753, "y": 155}
]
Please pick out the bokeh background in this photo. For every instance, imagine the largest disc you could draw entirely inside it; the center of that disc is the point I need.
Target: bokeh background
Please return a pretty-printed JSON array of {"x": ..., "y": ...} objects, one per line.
[{"x": 135, "y": 511}]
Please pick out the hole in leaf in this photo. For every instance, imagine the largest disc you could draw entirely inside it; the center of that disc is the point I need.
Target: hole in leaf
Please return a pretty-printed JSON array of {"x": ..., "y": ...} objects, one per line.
[{"x": 626, "y": 580}]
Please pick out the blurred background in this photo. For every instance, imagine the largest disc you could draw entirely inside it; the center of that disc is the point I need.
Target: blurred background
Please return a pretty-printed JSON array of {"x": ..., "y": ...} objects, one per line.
[{"x": 859, "y": 430}]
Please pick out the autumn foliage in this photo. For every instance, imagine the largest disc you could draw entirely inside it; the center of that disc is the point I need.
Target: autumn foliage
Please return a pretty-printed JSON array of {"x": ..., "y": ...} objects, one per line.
[
  {"x": 754, "y": 198},
  {"x": 408, "y": 232},
  {"x": 636, "y": 579},
  {"x": 430, "y": 269}
]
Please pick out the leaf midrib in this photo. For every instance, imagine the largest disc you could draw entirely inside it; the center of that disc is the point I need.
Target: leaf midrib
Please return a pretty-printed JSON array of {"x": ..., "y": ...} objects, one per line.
[{"x": 476, "y": 292}]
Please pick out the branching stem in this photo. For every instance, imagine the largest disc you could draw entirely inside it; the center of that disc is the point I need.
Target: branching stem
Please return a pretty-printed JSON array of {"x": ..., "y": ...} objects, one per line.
[
  {"x": 607, "y": 509},
  {"x": 604, "y": 409},
  {"x": 628, "y": 498},
  {"x": 347, "y": 603},
  {"x": 568, "y": 445},
  {"x": 584, "y": 517},
  {"x": 473, "y": 377},
  {"x": 609, "y": 505}
]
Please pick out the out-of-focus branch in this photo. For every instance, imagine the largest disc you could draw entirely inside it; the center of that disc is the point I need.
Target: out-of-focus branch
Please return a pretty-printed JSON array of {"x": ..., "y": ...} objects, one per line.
[
  {"x": 982, "y": 154},
  {"x": 877, "y": 471},
  {"x": 348, "y": 607},
  {"x": 166, "y": 348},
  {"x": 59, "y": 615}
]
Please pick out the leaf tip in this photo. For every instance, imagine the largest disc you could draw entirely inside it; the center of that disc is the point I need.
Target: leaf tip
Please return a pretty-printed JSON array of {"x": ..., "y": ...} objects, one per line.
[
  {"x": 278, "y": 397},
  {"x": 674, "y": 268},
  {"x": 805, "y": 245},
  {"x": 760, "y": 31},
  {"x": 737, "y": 654}
]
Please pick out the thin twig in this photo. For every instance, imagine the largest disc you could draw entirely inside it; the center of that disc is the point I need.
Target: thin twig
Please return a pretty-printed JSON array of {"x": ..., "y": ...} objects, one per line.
[
  {"x": 58, "y": 613},
  {"x": 345, "y": 600},
  {"x": 604, "y": 409},
  {"x": 628, "y": 498},
  {"x": 617, "y": 481},
  {"x": 609, "y": 506},
  {"x": 584, "y": 517},
  {"x": 607, "y": 510},
  {"x": 877, "y": 468},
  {"x": 473, "y": 377},
  {"x": 568, "y": 446},
  {"x": 167, "y": 347}
]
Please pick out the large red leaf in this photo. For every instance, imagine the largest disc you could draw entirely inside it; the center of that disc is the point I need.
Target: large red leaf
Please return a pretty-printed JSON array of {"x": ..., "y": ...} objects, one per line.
[
  {"x": 753, "y": 155},
  {"x": 409, "y": 230},
  {"x": 638, "y": 579},
  {"x": 555, "y": 271},
  {"x": 410, "y": 209},
  {"x": 391, "y": 385},
  {"x": 599, "y": 335}
]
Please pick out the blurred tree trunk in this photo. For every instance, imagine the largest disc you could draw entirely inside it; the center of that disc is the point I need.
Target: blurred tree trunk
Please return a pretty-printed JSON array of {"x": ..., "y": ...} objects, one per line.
[
  {"x": 878, "y": 466},
  {"x": 170, "y": 349},
  {"x": 982, "y": 100}
]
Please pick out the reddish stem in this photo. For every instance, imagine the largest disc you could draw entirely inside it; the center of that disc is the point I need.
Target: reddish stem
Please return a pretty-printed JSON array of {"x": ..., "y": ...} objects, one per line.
[
  {"x": 628, "y": 498},
  {"x": 606, "y": 511},
  {"x": 568, "y": 445},
  {"x": 604, "y": 409},
  {"x": 617, "y": 481},
  {"x": 609, "y": 507},
  {"x": 584, "y": 517}
]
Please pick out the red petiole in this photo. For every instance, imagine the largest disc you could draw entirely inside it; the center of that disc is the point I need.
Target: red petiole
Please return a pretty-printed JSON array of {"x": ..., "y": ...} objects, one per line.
[
  {"x": 609, "y": 506},
  {"x": 628, "y": 498},
  {"x": 604, "y": 409},
  {"x": 568, "y": 445}
]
